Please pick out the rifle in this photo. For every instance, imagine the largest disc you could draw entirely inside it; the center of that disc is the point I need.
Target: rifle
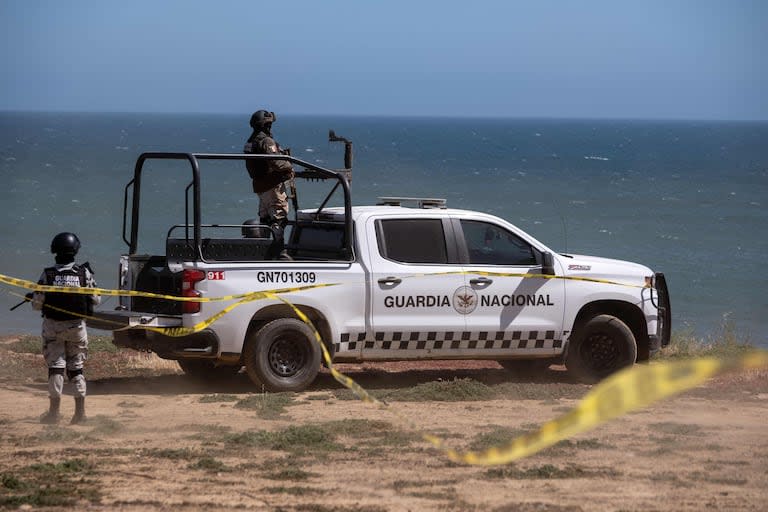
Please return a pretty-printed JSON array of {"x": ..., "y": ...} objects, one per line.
[
  {"x": 27, "y": 298},
  {"x": 291, "y": 184}
]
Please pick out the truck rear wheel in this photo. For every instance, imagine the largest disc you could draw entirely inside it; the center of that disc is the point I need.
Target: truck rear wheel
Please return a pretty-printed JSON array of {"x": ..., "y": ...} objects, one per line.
[
  {"x": 283, "y": 355},
  {"x": 601, "y": 347}
]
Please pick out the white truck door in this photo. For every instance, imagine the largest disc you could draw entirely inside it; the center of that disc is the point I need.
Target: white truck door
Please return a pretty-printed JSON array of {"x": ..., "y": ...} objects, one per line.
[
  {"x": 415, "y": 277},
  {"x": 515, "y": 315}
]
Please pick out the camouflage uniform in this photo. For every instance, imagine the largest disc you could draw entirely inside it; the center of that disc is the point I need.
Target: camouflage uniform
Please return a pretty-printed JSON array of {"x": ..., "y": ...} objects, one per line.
[
  {"x": 269, "y": 178},
  {"x": 65, "y": 340}
]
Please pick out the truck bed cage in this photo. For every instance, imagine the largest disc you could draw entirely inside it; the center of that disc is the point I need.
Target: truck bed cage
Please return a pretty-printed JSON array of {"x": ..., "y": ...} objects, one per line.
[{"x": 311, "y": 172}]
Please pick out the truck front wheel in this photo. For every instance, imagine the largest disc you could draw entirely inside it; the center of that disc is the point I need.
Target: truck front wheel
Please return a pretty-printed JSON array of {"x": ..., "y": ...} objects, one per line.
[
  {"x": 282, "y": 356},
  {"x": 601, "y": 347}
]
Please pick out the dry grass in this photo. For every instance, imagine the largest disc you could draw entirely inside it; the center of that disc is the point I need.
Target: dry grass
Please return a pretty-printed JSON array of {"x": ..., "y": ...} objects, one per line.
[
  {"x": 726, "y": 342},
  {"x": 317, "y": 442}
]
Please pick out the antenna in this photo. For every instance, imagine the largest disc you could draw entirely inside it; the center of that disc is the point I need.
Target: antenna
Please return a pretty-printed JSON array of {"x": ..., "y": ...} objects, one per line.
[
  {"x": 560, "y": 211},
  {"x": 565, "y": 231},
  {"x": 562, "y": 221}
]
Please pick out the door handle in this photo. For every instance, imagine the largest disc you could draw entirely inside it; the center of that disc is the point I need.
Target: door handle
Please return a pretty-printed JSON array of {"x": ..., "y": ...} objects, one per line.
[
  {"x": 390, "y": 281},
  {"x": 481, "y": 281}
]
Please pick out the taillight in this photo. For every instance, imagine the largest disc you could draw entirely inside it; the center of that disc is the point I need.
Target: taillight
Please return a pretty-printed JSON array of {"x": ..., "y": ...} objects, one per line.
[
  {"x": 190, "y": 277},
  {"x": 122, "y": 283}
]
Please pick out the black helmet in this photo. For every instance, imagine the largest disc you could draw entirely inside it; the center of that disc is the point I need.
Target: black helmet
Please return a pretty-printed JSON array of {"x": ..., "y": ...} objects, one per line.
[
  {"x": 260, "y": 118},
  {"x": 65, "y": 243}
]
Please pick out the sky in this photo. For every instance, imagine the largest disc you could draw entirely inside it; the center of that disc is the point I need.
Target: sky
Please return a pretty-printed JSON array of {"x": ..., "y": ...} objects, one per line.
[{"x": 659, "y": 59}]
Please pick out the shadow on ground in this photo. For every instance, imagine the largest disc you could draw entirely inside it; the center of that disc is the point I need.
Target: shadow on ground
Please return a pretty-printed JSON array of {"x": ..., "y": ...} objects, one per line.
[{"x": 387, "y": 376}]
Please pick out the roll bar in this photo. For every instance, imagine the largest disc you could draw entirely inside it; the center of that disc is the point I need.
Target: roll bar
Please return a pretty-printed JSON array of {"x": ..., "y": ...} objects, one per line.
[{"x": 312, "y": 172}]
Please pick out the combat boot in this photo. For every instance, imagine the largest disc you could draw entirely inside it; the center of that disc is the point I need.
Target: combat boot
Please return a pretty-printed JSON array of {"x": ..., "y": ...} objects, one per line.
[
  {"x": 52, "y": 416},
  {"x": 278, "y": 249},
  {"x": 79, "y": 416}
]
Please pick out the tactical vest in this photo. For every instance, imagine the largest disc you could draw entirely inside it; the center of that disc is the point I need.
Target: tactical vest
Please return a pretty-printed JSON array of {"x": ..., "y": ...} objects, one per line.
[
  {"x": 257, "y": 169},
  {"x": 70, "y": 302},
  {"x": 266, "y": 174}
]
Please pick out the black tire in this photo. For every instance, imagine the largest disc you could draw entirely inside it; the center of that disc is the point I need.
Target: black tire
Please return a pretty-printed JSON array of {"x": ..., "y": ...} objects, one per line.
[
  {"x": 205, "y": 370},
  {"x": 526, "y": 367},
  {"x": 602, "y": 346},
  {"x": 282, "y": 356}
]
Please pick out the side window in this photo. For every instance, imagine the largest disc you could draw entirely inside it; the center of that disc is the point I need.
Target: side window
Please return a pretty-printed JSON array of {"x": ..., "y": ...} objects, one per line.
[
  {"x": 412, "y": 240},
  {"x": 489, "y": 244}
]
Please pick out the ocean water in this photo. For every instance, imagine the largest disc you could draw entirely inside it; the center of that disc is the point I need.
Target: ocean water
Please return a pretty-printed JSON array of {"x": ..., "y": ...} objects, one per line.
[{"x": 685, "y": 198}]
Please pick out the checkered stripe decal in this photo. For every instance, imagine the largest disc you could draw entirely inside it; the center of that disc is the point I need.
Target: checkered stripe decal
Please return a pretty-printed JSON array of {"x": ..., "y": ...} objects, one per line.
[{"x": 433, "y": 340}]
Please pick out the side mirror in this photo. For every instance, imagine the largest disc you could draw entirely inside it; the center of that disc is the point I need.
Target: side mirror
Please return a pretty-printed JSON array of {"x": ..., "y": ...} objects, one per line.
[{"x": 547, "y": 264}]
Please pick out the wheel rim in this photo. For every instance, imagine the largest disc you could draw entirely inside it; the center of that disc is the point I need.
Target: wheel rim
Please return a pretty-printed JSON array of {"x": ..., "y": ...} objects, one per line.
[
  {"x": 601, "y": 352},
  {"x": 287, "y": 356}
]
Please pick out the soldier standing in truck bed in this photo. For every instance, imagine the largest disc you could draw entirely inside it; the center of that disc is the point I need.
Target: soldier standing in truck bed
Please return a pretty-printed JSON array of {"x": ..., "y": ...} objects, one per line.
[{"x": 269, "y": 177}]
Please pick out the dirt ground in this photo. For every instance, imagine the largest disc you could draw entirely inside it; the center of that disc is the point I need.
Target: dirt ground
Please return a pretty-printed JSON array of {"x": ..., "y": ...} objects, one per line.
[{"x": 156, "y": 440}]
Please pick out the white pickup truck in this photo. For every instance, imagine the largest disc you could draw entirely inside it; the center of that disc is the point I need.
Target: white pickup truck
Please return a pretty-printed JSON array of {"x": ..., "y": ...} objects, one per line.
[{"x": 411, "y": 279}]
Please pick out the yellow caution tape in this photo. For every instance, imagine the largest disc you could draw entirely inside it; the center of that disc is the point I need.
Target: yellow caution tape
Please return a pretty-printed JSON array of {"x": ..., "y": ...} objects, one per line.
[
  {"x": 167, "y": 331},
  {"x": 630, "y": 389},
  {"x": 30, "y": 285},
  {"x": 344, "y": 380},
  {"x": 253, "y": 296},
  {"x": 633, "y": 388},
  {"x": 529, "y": 276},
  {"x": 566, "y": 278}
]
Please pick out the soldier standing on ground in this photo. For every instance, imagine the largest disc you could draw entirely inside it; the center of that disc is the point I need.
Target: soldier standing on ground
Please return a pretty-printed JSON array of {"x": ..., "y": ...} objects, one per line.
[
  {"x": 269, "y": 177},
  {"x": 65, "y": 340}
]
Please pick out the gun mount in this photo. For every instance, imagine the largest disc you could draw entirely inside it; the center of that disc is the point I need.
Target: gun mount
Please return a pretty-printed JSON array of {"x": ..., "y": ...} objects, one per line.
[{"x": 332, "y": 137}]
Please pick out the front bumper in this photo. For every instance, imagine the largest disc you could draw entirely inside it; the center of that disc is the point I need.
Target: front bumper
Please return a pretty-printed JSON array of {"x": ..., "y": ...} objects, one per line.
[{"x": 664, "y": 307}]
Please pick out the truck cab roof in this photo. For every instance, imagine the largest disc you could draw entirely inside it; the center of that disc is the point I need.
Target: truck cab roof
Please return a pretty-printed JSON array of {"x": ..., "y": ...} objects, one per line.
[{"x": 337, "y": 213}]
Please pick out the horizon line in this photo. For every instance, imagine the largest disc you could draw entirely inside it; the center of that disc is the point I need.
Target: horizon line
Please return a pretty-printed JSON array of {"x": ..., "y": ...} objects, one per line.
[{"x": 395, "y": 116}]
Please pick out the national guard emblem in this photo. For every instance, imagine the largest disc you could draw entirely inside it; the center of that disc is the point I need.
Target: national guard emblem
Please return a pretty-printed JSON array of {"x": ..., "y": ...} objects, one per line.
[{"x": 464, "y": 300}]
